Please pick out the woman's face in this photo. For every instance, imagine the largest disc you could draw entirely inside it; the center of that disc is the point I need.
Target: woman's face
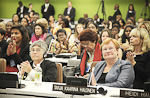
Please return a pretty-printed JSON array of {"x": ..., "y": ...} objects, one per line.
[
  {"x": 143, "y": 26},
  {"x": 9, "y": 26},
  {"x": 61, "y": 36},
  {"x": 120, "y": 22},
  {"x": 90, "y": 46},
  {"x": 16, "y": 35},
  {"x": 129, "y": 22},
  {"x": 127, "y": 31},
  {"x": 115, "y": 31},
  {"x": 130, "y": 8},
  {"x": 109, "y": 51},
  {"x": 38, "y": 30},
  {"x": 135, "y": 40},
  {"x": 24, "y": 22},
  {"x": 15, "y": 18},
  {"x": 79, "y": 28},
  {"x": 36, "y": 53},
  {"x": 92, "y": 27},
  {"x": 104, "y": 36},
  {"x": 63, "y": 25}
]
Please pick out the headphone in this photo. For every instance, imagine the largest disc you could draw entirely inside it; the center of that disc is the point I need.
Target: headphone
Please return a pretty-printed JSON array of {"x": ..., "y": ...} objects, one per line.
[{"x": 102, "y": 91}]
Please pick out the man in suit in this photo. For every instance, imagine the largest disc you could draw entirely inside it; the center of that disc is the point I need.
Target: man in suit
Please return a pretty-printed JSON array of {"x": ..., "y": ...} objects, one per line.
[
  {"x": 70, "y": 11},
  {"x": 21, "y": 10},
  {"x": 47, "y": 10},
  {"x": 117, "y": 11}
]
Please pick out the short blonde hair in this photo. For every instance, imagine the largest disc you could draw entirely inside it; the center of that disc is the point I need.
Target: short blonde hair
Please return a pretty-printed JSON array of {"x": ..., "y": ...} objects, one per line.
[
  {"x": 144, "y": 36},
  {"x": 108, "y": 40},
  {"x": 43, "y": 21}
]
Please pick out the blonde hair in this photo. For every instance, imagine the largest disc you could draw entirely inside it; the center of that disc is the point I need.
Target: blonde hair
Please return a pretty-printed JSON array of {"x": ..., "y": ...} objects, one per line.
[
  {"x": 108, "y": 40},
  {"x": 2, "y": 25},
  {"x": 145, "y": 23},
  {"x": 43, "y": 21},
  {"x": 144, "y": 36},
  {"x": 76, "y": 34}
]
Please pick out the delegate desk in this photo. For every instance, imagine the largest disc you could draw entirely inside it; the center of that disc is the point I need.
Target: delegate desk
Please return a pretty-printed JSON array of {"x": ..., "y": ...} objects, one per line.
[{"x": 45, "y": 90}]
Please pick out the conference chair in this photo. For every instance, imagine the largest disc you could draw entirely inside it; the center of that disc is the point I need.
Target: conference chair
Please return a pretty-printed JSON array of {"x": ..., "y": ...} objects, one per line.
[
  {"x": 2, "y": 65},
  {"x": 59, "y": 73}
]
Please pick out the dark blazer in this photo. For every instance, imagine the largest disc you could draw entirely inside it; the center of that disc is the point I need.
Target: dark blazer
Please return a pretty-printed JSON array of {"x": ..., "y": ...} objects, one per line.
[
  {"x": 25, "y": 10},
  {"x": 50, "y": 11},
  {"x": 72, "y": 13},
  {"x": 19, "y": 58},
  {"x": 121, "y": 74},
  {"x": 3, "y": 48},
  {"x": 115, "y": 14},
  {"x": 49, "y": 71}
]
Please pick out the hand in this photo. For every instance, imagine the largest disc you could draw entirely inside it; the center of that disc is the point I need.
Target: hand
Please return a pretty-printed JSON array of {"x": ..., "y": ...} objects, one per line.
[
  {"x": 26, "y": 67},
  {"x": 130, "y": 57},
  {"x": 93, "y": 80},
  {"x": 9, "y": 49},
  {"x": 13, "y": 47}
]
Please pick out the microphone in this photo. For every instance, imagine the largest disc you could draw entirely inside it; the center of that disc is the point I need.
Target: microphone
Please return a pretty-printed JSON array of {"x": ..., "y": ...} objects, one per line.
[{"x": 102, "y": 91}]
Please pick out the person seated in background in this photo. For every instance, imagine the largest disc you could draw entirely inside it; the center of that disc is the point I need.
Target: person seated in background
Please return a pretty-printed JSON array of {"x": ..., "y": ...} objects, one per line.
[
  {"x": 45, "y": 23},
  {"x": 49, "y": 70},
  {"x": 112, "y": 72},
  {"x": 64, "y": 25},
  {"x": 105, "y": 23},
  {"x": 106, "y": 33},
  {"x": 139, "y": 56},
  {"x": 124, "y": 41},
  {"x": 18, "y": 49},
  {"x": 3, "y": 43},
  {"x": 129, "y": 21},
  {"x": 40, "y": 33},
  {"x": 15, "y": 19},
  {"x": 131, "y": 12},
  {"x": 146, "y": 25},
  {"x": 36, "y": 16},
  {"x": 115, "y": 32},
  {"x": 9, "y": 25},
  {"x": 140, "y": 20},
  {"x": 74, "y": 37},
  {"x": 91, "y": 54},
  {"x": 24, "y": 22},
  {"x": 30, "y": 9},
  {"x": 62, "y": 45}
]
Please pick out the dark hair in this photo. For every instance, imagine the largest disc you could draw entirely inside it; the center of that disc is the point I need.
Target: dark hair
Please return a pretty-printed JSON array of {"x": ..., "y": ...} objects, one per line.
[
  {"x": 122, "y": 21},
  {"x": 44, "y": 30},
  {"x": 26, "y": 14},
  {"x": 13, "y": 16},
  {"x": 104, "y": 30},
  {"x": 88, "y": 35},
  {"x": 124, "y": 37},
  {"x": 81, "y": 20},
  {"x": 26, "y": 20},
  {"x": 60, "y": 30},
  {"x": 116, "y": 22},
  {"x": 110, "y": 18},
  {"x": 66, "y": 21},
  {"x": 87, "y": 21},
  {"x": 2, "y": 31},
  {"x": 129, "y": 7},
  {"x": 93, "y": 24},
  {"x": 36, "y": 13},
  {"x": 60, "y": 15},
  {"x": 130, "y": 19},
  {"x": 24, "y": 33}
]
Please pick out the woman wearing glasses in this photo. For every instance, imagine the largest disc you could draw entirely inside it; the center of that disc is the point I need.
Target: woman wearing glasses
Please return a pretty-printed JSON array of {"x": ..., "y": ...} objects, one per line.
[
  {"x": 91, "y": 53},
  {"x": 49, "y": 69}
]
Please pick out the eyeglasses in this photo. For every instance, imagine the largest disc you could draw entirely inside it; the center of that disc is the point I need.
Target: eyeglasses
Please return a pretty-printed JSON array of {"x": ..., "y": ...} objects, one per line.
[{"x": 37, "y": 50}]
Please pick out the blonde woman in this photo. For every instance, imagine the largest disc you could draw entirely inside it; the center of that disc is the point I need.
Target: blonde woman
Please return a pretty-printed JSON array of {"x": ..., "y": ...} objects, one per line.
[{"x": 139, "y": 56}]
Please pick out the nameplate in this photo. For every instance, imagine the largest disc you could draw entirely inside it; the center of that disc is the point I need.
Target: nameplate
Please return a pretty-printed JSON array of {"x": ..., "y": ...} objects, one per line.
[
  {"x": 69, "y": 89},
  {"x": 128, "y": 93}
]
